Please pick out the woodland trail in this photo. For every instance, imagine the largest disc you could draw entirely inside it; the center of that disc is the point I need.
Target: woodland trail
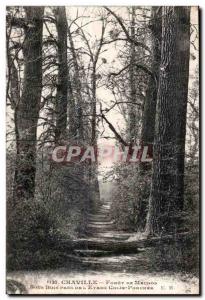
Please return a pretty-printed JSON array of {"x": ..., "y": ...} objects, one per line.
[
  {"x": 103, "y": 239},
  {"x": 109, "y": 254},
  {"x": 107, "y": 249}
]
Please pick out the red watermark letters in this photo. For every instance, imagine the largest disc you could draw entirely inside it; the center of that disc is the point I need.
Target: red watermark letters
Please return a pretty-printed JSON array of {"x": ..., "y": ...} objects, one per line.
[{"x": 100, "y": 153}]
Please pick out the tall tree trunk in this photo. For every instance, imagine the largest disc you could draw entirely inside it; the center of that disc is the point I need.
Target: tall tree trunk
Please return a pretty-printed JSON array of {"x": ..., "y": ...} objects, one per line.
[
  {"x": 77, "y": 86},
  {"x": 62, "y": 86},
  {"x": 94, "y": 168},
  {"x": 148, "y": 120},
  {"x": 65, "y": 98},
  {"x": 148, "y": 117},
  {"x": 132, "y": 107},
  {"x": 93, "y": 108},
  {"x": 183, "y": 70},
  {"x": 94, "y": 183},
  {"x": 28, "y": 108},
  {"x": 166, "y": 198}
]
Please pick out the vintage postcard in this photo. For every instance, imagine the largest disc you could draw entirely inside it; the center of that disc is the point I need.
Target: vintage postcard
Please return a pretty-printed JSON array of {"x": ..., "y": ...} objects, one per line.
[{"x": 102, "y": 111}]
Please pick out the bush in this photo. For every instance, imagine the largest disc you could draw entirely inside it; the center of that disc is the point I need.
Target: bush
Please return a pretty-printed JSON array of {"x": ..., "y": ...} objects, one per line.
[
  {"x": 130, "y": 197},
  {"x": 30, "y": 232}
]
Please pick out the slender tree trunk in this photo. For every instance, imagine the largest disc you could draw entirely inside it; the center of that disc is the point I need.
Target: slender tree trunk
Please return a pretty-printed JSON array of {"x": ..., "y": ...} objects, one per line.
[
  {"x": 93, "y": 121},
  {"x": 77, "y": 85},
  {"x": 62, "y": 86},
  {"x": 148, "y": 120},
  {"x": 93, "y": 168},
  {"x": 132, "y": 107},
  {"x": 183, "y": 69},
  {"x": 166, "y": 198},
  {"x": 72, "y": 130},
  {"x": 65, "y": 105},
  {"x": 148, "y": 117},
  {"x": 28, "y": 108}
]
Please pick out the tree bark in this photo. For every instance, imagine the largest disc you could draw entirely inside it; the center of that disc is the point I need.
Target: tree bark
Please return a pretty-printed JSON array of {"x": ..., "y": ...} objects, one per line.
[
  {"x": 148, "y": 120},
  {"x": 148, "y": 124},
  {"x": 183, "y": 69},
  {"x": 166, "y": 198},
  {"x": 28, "y": 108},
  {"x": 132, "y": 114},
  {"x": 62, "y": 86},
  {"x": 77, "y": 87}
]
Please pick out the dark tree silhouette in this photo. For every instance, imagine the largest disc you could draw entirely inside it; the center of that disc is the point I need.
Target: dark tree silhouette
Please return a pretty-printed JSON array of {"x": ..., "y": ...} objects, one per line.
[
  {"x": 166, "y": 198},
  {"x": 28, "y": 108}
]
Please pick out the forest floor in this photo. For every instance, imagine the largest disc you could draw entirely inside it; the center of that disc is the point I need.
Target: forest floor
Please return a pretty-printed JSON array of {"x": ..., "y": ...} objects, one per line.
[{"x": 109, "y": 256}]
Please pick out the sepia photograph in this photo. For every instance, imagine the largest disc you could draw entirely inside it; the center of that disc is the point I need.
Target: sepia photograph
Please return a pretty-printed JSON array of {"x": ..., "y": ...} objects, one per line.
[{"x": 102, "y": 150}]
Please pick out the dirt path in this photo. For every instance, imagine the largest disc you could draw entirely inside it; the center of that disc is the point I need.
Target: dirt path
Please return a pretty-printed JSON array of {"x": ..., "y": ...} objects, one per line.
[{"x": 107, "y": 256}]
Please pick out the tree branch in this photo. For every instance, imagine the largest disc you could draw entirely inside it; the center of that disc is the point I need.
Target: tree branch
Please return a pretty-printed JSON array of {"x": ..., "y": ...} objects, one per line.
[
  {"x": 138, "y": 44},
  {"x": 118, "y": 136}
]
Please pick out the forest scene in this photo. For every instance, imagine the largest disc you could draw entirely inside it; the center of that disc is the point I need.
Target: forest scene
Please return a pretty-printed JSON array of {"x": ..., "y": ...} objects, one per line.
[{"x": 102, "y": 111}]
